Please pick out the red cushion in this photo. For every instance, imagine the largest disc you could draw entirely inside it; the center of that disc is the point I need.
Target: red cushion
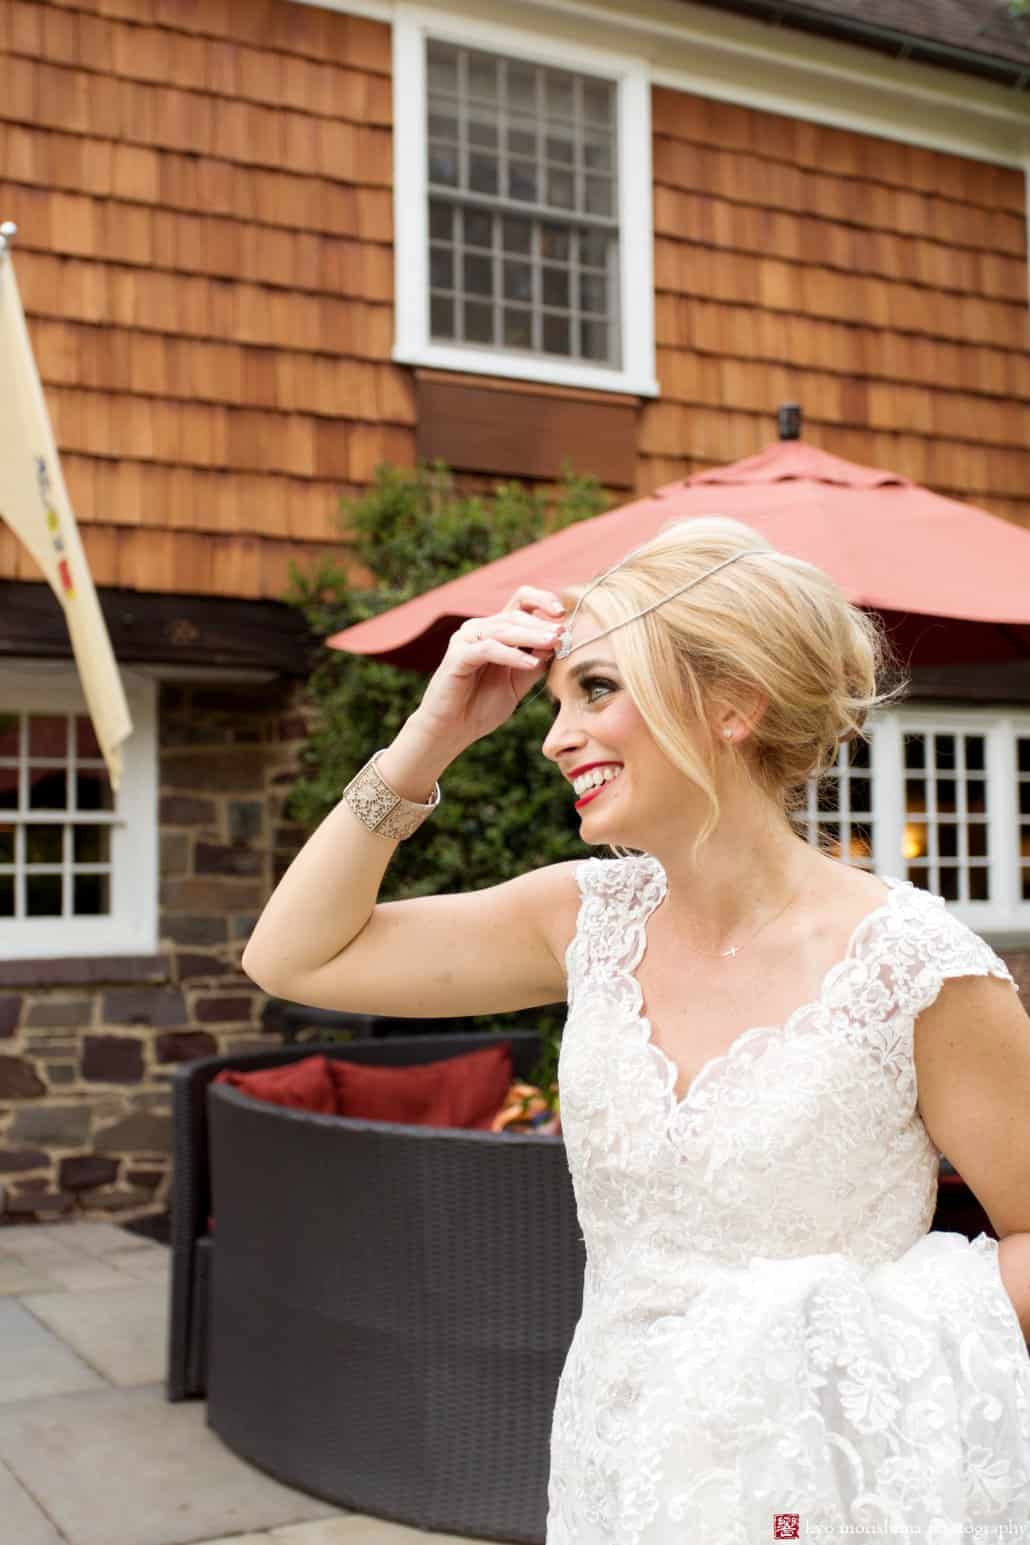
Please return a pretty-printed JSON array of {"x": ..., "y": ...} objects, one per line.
[
  {"x": 303, "y": 1085},
  {"x": 462, "y": 1091},
  {"x": 479, "y": 1082}
]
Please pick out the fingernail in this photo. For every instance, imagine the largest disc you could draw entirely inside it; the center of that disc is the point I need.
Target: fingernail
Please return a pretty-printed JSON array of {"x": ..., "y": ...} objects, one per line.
[{"x": 555, "y": 606}]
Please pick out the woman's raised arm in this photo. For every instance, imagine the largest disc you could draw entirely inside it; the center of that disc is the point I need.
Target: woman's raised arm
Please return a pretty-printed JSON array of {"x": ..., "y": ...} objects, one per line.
[{"x": 322, "y": 939}]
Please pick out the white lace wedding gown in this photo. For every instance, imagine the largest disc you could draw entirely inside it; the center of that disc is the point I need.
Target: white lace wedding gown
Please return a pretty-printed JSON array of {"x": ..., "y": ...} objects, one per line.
[{"x": 767, "y": 1327}]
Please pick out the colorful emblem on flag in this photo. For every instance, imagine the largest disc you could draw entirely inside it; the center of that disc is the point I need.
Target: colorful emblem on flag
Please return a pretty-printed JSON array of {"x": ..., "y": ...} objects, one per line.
[{"x": 53, "y": 525}]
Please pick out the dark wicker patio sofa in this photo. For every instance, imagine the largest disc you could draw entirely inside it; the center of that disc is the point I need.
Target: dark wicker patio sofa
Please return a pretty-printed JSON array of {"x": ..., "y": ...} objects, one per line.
[{"x": 381, "y": 1313}]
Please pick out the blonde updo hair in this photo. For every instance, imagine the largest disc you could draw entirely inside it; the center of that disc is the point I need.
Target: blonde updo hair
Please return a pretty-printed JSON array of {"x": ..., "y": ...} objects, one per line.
[{"x": 771, "y": 624}]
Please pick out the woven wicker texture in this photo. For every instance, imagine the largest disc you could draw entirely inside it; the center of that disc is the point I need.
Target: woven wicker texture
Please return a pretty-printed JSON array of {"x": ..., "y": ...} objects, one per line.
[{"x": 390, "y": 1307}]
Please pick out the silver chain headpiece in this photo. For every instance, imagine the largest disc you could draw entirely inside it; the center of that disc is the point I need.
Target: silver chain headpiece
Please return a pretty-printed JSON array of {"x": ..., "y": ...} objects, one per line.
[{"x": 565, "y": 644}]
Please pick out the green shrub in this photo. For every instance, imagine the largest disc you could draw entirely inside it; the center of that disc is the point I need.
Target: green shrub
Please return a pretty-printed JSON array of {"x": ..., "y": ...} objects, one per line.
[{"x": 504, "y": 808}]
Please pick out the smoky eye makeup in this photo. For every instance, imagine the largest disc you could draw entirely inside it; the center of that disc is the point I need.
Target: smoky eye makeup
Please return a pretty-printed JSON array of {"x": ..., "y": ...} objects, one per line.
[
  {"x": 586, "y": 683},
  {"x": 581, "y": 672}
]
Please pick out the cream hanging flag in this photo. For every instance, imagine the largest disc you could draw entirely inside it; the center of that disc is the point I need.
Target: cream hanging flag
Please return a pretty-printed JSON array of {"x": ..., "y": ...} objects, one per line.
[{"x": 34, "y": 502}]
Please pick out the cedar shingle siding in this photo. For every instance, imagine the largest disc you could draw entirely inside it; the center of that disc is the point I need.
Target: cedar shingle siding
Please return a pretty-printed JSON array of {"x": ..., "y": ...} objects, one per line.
[
  {"x": 881, "y": 285},
  {"x": 204, "y": 195}
]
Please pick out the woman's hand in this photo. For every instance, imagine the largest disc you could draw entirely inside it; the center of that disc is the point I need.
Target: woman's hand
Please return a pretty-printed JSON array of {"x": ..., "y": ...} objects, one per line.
[{"x": 490, "y": 665}]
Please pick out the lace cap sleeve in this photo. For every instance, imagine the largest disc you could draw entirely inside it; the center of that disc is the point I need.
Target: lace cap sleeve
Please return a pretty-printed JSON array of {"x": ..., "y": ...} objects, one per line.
[
  {"x": 950, "y": 949},
  {"x": 616, "y": 894}
]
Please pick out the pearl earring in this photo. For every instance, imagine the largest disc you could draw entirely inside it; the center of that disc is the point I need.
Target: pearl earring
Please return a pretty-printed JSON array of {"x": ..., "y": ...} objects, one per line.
[{"x": 728, "y": 734}]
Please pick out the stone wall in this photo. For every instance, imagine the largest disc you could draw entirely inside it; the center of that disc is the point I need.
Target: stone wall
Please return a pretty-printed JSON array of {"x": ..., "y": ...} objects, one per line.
[{"x": 87, "y": 1045}]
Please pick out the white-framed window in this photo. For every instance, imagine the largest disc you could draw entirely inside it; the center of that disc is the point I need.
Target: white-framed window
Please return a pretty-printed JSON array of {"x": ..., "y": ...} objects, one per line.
[
  {"x": 939, "y": 796},
  {"x": 522, "y": 205},
  {"x": 78, "y": 863}
]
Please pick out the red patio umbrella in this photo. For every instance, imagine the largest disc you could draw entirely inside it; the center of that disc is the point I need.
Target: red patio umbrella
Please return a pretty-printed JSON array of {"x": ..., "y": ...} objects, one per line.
[{"x": 951, "y": 582}]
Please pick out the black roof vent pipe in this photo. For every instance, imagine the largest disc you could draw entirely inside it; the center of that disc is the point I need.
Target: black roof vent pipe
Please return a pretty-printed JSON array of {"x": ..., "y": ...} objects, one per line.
[{"x": 788, "y": 420}]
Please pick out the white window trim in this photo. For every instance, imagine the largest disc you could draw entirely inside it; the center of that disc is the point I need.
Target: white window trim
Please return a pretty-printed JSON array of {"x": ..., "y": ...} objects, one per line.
[
  {"x": 412, "y": 345},
  {"x": 132, "y": 926},
  {"x": 1006, "y": 912}
]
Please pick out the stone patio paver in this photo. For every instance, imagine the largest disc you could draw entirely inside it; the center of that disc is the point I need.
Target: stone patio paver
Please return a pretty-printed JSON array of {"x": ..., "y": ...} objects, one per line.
[
  {"x": 81, "y": 1276},
  {"x": 23, "y": 1522},
  {"x": 120, "y": 1331},
  {"x": 40, "y": 1253},
  {"x": 351, "y": 1529},
  {"x": 92, "y": 1238},
  {"x": 152, "y": 1264},
  {"x": 103, "y": 1295},
  {"x": 81, "y": 1257},
  {"x": 51, "y": 1239},
  {"x": 359, "y": 1529},
  {"x": 35, "y": 1362},
  {"x": 126, "y": 1467},
  {"x": 238, "y": 1539},
  {"x": 18, "y": 1276}
]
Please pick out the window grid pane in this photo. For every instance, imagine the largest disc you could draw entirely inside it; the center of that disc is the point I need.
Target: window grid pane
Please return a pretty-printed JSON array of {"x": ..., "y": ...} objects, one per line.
[
  {"x": 941, "y": 800},
  {"x": 944, "y": 844},
  {"x": 56, "y": 813},
  {"x": 521, "y": 163},
  {"x": 480, "y": 267},
  {"x": 838, "y": 812}
]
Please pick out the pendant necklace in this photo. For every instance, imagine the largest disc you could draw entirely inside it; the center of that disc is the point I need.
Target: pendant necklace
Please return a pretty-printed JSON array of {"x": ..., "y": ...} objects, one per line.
[{"x": 735, "y": 949}]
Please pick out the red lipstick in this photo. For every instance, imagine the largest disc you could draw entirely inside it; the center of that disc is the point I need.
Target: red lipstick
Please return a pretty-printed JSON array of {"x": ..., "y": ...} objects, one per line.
[{"x": 593, "y": 793}]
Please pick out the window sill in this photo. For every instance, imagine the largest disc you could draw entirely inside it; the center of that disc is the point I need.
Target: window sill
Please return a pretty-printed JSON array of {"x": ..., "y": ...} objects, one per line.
[{"x": 516, "y": 367}]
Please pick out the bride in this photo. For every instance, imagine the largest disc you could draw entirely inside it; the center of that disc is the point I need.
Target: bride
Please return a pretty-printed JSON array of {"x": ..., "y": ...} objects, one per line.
[{"x": 766, "y": 1051}]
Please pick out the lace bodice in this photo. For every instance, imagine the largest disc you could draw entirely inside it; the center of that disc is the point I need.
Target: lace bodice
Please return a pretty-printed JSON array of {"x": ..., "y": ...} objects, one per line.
[
  {"x": 795, "y": 1171},
  {"x": 838, "y": 1078}
]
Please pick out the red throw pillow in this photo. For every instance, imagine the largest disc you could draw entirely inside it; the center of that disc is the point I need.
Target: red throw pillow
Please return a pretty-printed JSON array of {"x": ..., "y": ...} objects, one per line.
[
  {"x": 461, "y": 1091},
  {"x": 414, "y": 1096},
  {"x": 303, "y": 1085},
  {"x": 478, "y": 1082}
]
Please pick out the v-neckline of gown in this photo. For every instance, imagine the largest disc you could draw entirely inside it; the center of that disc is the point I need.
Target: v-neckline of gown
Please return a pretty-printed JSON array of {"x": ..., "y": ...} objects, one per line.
[{"x": 895, "y": 888}]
